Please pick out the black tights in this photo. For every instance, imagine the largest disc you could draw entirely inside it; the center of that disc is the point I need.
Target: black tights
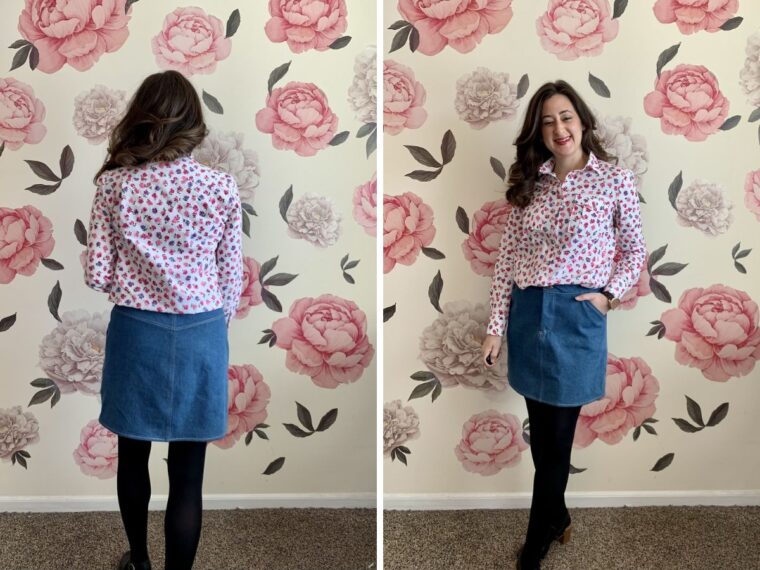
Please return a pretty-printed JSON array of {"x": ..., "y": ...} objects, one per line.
[
  {"x": 552, "y": 429},
  {"x": 182, "y": 522}
]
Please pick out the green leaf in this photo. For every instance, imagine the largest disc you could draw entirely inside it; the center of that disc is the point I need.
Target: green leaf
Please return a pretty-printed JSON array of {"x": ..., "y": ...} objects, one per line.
[
  {"x": 670, "y": 268},
  {"x": 433, "y": 253},
  {"x": 328, "y": 420},
  {"x": 285, "y": 202},
  {"x": 423, "y": 375},
  {"x": 686, "y": 426},
  {"x": 599, "y": 87},
  {"x": 498, "y": 168},
  {"x": 665, "y": 57},
  {"x": 20, "y": 57},
  {"x": 233, "y": 23},
  {"x": 296, "y": 431},
  {"x": 271, "y": 300},
  {"x": 434, "y": 291},
  {"x": 424, "y": 175},
  {"x": 275, "y": 466},
  {"x": 304, "y": 416},
  {"x": 43, "y": 170},
  {"x": 732, "y": 24},
  {"x": 422, "y": 390},
  {"x": 212, "y": 103},
  {"x": 277, "y": 74},
  {"x": 522, "y": 86},
  {"x": 80, "y": 232},
  {"x": 730, "y": 123},
  {"x": 51, "y": 264},
  {"x": 66, "y": 162},
  {"x": 620, "y": 6},
  {"x": 463, "y": 221},
  {"x": 340, "y": 42},
  {"x": 388, "y": 312},
  {"x": 400, "y": 38},
  {"x": 423, "y": 156},
  {"x": 718, "y": 415},
  {"x": 448, "y": 147},
  {"x": 7, "y": 322},
  {"x": 340, "y": 138},
  {"x": 267, "y": 266},
  {"x": 663, "y": 462},
  {"x": 54, "y": 300},
  {"x": 695, "y": 412}
]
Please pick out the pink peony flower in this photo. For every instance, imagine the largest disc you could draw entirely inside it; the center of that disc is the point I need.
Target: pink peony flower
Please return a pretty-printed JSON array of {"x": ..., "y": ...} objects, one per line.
[
  {"x": 305, "y": 25},
  {"x": 191, "y": 41},
  {"x": 715, "y": 330},
  {"x": 752, "y": 193},
  {"x": 462, "y": 24},
  {"x": 76, "y": 32},
  {"x": 403, "y": 97},
  {"x": 576, "y": 28},
  {"x": 688, "y": 102},
  {"x": 299, "y": 118},
  {"x": 490, "y": 442},
  {"x": 98, "y": 451},
  {"x": 26, "y": 236},
  {"x": 21, "y": 114},
  {"x": 628, "y": 400},
  {"x": 482, "y": 245},
  {"x": 640, "y": 289},
  {"x": 248, "y": 399},
  {"x": 251, "y": 294},
  {"x": 326, "y": 338},
  {"x": 407, "y": 228},
  {"x": 694, "y": 15},
  {"x": 365, "y": 206}
]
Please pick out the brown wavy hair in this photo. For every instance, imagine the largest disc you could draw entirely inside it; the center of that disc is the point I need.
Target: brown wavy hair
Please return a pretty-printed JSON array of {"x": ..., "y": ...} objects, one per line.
[
  {"x": 531, "y": 151},
  {"x": 164, "y": 120}
]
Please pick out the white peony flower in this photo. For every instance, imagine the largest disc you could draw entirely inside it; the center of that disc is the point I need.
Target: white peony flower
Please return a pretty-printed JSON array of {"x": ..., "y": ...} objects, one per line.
[
  {"x": 400, "y": 424},
  {"x": 484, "y": 96},
  {"x": 618, "y": 140},
  {"x": 450, "y": 348},
  {"x": 315, "y": 219},
  {"x": 97, "y": 111},
  {"x": 225, "y": 152},
  {"x": 703, "y": 205},
  {"x": 72, "y": 355},
  {"x": 749, "y": 77},
  {"x": 362, "y": 95},
  {"x": 18, "y": 429}
]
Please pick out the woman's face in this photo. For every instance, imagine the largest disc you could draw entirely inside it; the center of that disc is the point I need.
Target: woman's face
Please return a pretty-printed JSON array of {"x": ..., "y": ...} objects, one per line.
[{"x": 561, "y": 128}]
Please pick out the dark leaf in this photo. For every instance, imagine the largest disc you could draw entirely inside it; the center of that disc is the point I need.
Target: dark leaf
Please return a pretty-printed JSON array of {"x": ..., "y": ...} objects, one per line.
[
  {"x": 424, "y": 175},
  {"x": 656, "y": 256},
  {"x": 297, "y": 431},
  {"x": 66, "y": 162},
  {"x": 649, "y": 429},
  {"x": 522, "y": 86},
  {"x": 54, "y": 300},
  {"x": 401, "y": 457},
  {"x": 433, "y": 253},
  {"x": 434, "y": 291},
  {"x": 261, "y": 434},
  {"x": 42, "y": 170},
  {"x": 398, "y": 24},
  {"x": 246, "y": 223},
  {"x": 19, "y": 58},
  {"x": 371, "y": 143},
  {"x": 266, "y": 338},
  {"x": 666, "y": 56},
  {"x": 340, "y": 138},
  {"x": 80, "y": 232},
  {"x": 343, "y": 261},
  {"x": 732, "y": 24},
  {"x": 275, "y": 466},
  {"x": 20, "y": 459},
  {"x": 599, "y": 87},
  {"x": 695, "y": 412},
  {"x": 328, "y": 420},
  {"x": 718, "y": 415},
  {"x": 448, "y": 147},
  {"x": 267, "y": 266},
  {"x": 365, "y": 130},
  {"x": 248, "y": 208},
  {"x": 437, "y": 391},
  {"x": 271, "y": 300},
  {"x": 620, "y": 6},
  {"x": 498, "y": 168},
  {"x": 248, "y": 437},
  {"x": 272, "y": 341},
  {"x": 128, "y": 4},
  {"x": 641, "y": 198},
  {"x": 2, "y": 148},
  {"x": 19, "y": 43},
  {"x": 661, "y": 333},
  {"x": 349, "y": 278},
  {"x": 651, "y": 421},
  {"x": 754, "y": 115},
  {"x": 654, "y": 330},
  {"x": 423, "y": 156},
  {"x": 414, "y": 40},
  {"x": 735, "y": 250},
  {"x": 686, "y": 426},
  {"x": 730, "y": 123},
  {"x": 261, "y": 426},
  {"x": 56, "y": 397},
  {"x": 352, "y": 264},
  {"x": 663, "y": 462},
  {"x": 340, "y": 42},
  {"x": 659, "y": 290},
  {"x": 422, "y": 390},
  {"x": 575, "y": 470},
  {"x": 285, "y": 201},
  {"x": 233, "y": 23},
  {"x": 7, "y": 322},
  {"x": 670, "y": 268},
  {"x": 388, "y": 312},
  {"x": 51, "y": 263},
  {"x": 24, "y": 453},
  {"x": 399, "y": 39},
  {"x": 34, "y": 58},
  {"x": 212, "y": 103},
  {"x": 463, "y": 221},
  {"x": 280, "y": 279},
  {"x": 304, "y": 416},
  {"x": 277, "y": 74},
  {"x": 743, "y": 253},
  {"x": 636, "y": 433},
  {"x": 423, "y": 375},
  {"x": 43, "y": 189},
  {"x": 42, "y": 396},
  {"x": 404, "y": 449},
  {"x": 42, "y": 383},
  {"x": 526, "y": 437},
  {"x": 739, "y": 267}
]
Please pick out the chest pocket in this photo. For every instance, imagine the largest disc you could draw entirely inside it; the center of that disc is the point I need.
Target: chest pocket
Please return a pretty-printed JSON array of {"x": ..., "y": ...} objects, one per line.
[{"x": 588, "y": 217}]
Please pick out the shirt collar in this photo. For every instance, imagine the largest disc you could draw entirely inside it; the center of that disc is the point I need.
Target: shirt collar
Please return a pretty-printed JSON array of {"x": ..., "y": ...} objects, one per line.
[{"x": 592, "y": 163}]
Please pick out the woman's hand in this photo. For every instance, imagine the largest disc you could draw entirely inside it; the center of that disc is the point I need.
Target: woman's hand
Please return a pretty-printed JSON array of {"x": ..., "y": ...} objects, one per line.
[
  {"x": 491, "y": 347},
  {"x": 597, "y": 299}
]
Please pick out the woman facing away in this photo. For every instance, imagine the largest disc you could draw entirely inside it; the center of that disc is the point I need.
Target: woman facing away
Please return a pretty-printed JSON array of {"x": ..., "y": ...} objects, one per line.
[
  {"x": 165, "y": 244},
  {"x": 553, "y": 284}
]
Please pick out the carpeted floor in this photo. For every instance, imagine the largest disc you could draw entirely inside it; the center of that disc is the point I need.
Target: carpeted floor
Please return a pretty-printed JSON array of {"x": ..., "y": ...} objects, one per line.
[
  {"x": 649, "y": 538},
  {"x": 262, "y": 539}
]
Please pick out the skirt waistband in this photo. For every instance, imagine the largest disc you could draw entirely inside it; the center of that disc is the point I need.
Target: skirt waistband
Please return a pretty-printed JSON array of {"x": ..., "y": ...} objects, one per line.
[
  {"x": 170, "y": 321},
  {"x": 563, "y": 289}
]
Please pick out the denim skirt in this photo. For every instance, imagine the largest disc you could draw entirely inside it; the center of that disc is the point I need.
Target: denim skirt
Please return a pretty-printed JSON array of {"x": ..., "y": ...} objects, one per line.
[
  {"x": 165, "y": 375},
  {"x": 556, "y": 346}
]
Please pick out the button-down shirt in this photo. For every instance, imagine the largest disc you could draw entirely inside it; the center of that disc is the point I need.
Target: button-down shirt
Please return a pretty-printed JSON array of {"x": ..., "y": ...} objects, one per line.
[
  {"x": 166, "y": 237},
  {"x": 569, "y": 234}
]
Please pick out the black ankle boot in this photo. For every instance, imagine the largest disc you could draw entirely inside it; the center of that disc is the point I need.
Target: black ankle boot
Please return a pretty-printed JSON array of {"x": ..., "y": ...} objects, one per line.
[
  {"x": 561, "y": 533},
  {"x": 525, "y": 563},
  {"x": 126, "y": 563}
]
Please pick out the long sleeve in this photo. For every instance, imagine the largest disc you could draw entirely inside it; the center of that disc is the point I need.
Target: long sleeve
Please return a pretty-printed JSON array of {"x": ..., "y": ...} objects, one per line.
[
  {"x": 101, "y": 249},
  {"x": 629, "y": 239},
  {"x": 229, "y": 256},
  {"x": 503, "y": 275}
]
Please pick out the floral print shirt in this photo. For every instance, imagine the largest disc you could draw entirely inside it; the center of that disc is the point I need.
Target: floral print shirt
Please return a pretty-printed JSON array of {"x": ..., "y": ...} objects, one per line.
[
  {"x": 569, "y": 234},
  {"x": 166, "y": 237}
]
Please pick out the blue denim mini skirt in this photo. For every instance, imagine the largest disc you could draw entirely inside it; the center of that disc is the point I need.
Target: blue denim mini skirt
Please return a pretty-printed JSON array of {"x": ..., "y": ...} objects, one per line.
[
  {"x": 165, "y": 375},
  {"x": 556, "y": 346}
]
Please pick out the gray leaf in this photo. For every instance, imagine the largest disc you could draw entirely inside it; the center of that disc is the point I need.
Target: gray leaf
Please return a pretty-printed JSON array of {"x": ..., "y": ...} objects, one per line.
[
  {"x": 80, "y": 232},
  {"x": 659, "y": 290},
  {"x": 7, "y": 322},
  {"x": 340, "y": 42},
  {"x": 54, "y": 300},
  {"x": 463, "y": 221},
  {"x": 739, "y": 267},
  {"x": 498, "y": 168},
  {"x": 732, "y": 24},
  {"x": 388, "y": 312},
  {"x": 267, "y": 266},
  {"x": 656, "y": 256},
  {"x": 349, "y": 278},
  {"x": 34, "y": 58},
  {"x": 423, "y": 376},
  {"x": 599, "y": 87},
  {"x": 212, "y": 103},
  {"x": 665, "y": 57},
  {"x": 371, "y": 143},
  {"x": 433, "y": 253},
  {"x": 66, "y": 162},
  {"x": 686, "y": 426},
  {"x": 436, "y": 391},
  {"x": 233, "y": 23},
  {"x": 365, "y": 130},
  {"x": 20, "y": 57},
  {"x": 448, "y": 147},
  {"x": 128, "y": 4},
  {"x": 340, "y": 138},
  {"x": 277, "y": 74},
  {"x": 754, "y": 115},
  {"x": 328, "y": 420},
  {"x": 522, "y": 86},
  {"x": 730, "y": 123},
  {"x": 576, "y": 470},
  {"x": 398, "y": 24},
  {"x": 42, "y": 383},
  {"x": 422, "y": 390},
  {"x": 285, "y": 201},
  {"x": 42, "y": 396},
  {"x": 43, "y": 189},
  {"x": 399, "y": 39},
  {"x": 670, "y": 268},
  {"x": 675, "y": 188},
  {"x": 42, "y": 170},
  {"x": 51, "y": 264},
  {"x": 695, "y": 412},
  {"x": 422, "y": 156},
  {"x": 414, "y": 40},
  {"x": 424, "y": 175},
  {"x": 271, "y": 300},
  {"x": 718, "y": 415},
  {"x": 620, "y": 6},
  {"x": 246, "y": 223},
  {"x": 18, "y": 44},
  {"x": 434, "y": 291},
  {"x": 280, "y": 279},
  {"x": 743, "y": 253},
  {"x": 663, "y": 462},
  {"x": 275, "y": 466},
  {"x": 304, "y": 416}
]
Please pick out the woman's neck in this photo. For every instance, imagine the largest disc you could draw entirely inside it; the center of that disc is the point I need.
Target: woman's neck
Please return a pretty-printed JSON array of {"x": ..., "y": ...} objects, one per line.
[{"x": 564, "y": 165}]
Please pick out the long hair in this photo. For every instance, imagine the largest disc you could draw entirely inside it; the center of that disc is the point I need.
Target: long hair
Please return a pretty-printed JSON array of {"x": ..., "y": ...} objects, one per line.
[
  {"x": 531, "y": 151},
  {"x": 164, "y": 120}
]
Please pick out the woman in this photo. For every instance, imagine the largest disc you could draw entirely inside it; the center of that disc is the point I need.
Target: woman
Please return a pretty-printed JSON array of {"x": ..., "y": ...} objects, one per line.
[
  {"x": 554, "y": 282},
  {"x": 165, "y": 244}
]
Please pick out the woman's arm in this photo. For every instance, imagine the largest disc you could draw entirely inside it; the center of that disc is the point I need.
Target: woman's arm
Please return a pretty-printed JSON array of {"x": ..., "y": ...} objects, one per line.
[
  {"x": 229, "y": 255},
  {"x": 101, "y": 239},
  {"x": 502, "y": 280},
  {"x": 629, "y": 238}
]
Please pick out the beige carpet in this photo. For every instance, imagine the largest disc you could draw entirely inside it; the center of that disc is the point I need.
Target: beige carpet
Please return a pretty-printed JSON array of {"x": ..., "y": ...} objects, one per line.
[
  {"x": 661, "y": 538},
  {"x": 264, "y": 539}
]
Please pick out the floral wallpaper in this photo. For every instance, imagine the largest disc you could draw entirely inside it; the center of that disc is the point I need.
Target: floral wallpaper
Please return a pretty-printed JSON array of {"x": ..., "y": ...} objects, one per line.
[
  {"x": 289, "y": 94},
  {"x": 675, "y": 85}
]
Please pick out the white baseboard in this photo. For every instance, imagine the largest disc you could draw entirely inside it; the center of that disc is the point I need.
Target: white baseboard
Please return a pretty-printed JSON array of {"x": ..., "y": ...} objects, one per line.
[
  {"x": 39, "y": 504},
  {"x": 461, "y": 501}
]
